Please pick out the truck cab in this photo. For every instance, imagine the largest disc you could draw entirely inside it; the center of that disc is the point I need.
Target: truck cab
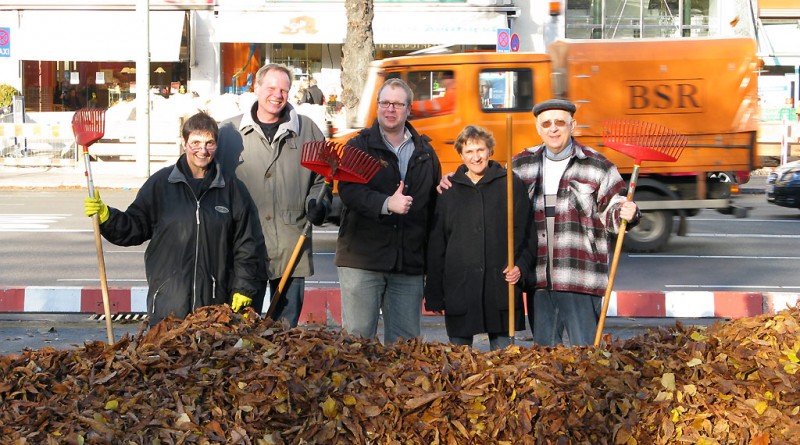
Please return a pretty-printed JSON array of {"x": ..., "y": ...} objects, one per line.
[{"x": 703, "y": 88}]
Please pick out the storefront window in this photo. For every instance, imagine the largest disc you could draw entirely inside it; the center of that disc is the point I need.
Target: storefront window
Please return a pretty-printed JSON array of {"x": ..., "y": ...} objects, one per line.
[
  {"x": 69, "y": 86},
  {"x": 623, "y": 19}
]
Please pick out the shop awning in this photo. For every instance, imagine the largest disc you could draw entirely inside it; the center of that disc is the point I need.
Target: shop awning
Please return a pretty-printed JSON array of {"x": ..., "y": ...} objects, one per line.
[
  {"x": 778, "y": 9},
  {"x": 777, "y": 44},
  {"x": 98, "y": 35},
  {"x": 439, "y": 27},
  {"x": 390, "y": 26},
  {"x": 327, "y": 26}
]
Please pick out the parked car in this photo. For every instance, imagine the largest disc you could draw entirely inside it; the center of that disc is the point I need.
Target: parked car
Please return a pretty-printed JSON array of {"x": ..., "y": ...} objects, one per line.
[{"x": 783, "y": 185}]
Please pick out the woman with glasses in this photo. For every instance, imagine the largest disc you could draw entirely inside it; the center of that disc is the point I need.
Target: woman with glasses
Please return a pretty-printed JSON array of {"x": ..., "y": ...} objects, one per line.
[{"x": 206, "y": 245}]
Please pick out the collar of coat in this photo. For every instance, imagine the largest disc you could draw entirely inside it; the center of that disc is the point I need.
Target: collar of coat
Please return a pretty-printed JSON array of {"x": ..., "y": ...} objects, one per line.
[
  {"x": 581, "y": 151},
  {"x": 376, "y": 139},
  {"x": 247, "y": 123},
  {"x": 493, "y": 172},
  {"x": 176, "y": 175}
]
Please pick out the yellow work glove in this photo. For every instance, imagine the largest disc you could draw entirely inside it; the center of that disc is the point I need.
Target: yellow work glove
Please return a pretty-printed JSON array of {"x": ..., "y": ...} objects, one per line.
[
  {"x": 95, "y": 205},
  {"x": 240, "y": 302}
]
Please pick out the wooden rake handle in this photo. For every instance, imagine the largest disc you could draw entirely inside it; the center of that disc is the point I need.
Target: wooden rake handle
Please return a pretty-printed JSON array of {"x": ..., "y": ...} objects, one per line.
[
  {"x": 612, "y": 274},
  {"x": 510, "y": 229},
  {"x": 287, "y": 272},
  {"x": 98, "y": 242}
]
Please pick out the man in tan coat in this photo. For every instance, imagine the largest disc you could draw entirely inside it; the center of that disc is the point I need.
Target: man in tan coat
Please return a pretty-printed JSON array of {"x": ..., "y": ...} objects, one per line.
[{"x": 264, "y": 148}]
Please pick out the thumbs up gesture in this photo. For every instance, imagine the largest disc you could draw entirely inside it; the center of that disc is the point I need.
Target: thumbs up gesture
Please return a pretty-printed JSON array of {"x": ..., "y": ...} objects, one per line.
[{"x": 398, "y": 202}]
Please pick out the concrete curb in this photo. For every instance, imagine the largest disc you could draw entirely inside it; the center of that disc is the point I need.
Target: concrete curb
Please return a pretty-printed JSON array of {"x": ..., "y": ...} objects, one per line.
[{"x": 322, "y": 305}]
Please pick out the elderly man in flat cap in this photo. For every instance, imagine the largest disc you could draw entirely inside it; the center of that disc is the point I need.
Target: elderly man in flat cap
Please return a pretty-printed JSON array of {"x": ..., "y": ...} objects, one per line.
[{"x": 577, "y": 201}]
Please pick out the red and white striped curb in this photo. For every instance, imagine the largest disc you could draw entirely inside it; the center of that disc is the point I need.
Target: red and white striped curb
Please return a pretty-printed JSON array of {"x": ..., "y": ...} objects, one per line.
[{"x": 322, "y": 305}]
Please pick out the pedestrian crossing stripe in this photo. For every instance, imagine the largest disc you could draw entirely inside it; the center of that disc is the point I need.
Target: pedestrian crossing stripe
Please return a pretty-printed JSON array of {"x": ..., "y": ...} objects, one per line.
[{"x": 21, "y": 221}]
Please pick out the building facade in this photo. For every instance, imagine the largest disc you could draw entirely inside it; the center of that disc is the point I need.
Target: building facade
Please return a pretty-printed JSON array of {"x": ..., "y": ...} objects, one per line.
[{"x": 64, "y": 55}]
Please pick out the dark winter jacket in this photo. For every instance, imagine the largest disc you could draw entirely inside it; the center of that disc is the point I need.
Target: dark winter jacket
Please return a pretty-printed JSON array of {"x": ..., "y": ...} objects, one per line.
[
  {"x": 468, "y": 251},
  {"x": 313, "y": 95},
  {"x": 202, "y": 249},
  {"x": 388, "y": 243}
]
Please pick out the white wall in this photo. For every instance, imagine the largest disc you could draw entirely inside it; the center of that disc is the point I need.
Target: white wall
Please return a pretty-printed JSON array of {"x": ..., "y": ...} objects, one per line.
[{"x": 535, "y": 27}]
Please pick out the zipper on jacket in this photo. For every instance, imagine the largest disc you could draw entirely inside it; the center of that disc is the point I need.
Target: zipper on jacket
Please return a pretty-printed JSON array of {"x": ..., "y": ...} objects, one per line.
[
  {"x": 155, "y": 297},
  {"x": 196, "y": 247},
  {"x": 196, "y": 253},
  {"x": 213, "y": 288}
]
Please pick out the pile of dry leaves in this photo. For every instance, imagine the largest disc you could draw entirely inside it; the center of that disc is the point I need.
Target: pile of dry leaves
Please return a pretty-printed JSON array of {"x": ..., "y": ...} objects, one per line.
[{"x": 221, "y": 378}]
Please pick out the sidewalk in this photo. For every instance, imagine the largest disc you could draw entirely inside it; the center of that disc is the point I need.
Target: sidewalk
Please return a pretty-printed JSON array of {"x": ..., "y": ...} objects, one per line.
[{"x": 115, "y": 175}]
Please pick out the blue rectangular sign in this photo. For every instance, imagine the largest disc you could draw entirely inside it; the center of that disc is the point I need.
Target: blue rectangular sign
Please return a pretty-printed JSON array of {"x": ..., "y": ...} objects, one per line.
[
  {"x": 503, "y": 40},
  {"x": 5, "y": 42}
]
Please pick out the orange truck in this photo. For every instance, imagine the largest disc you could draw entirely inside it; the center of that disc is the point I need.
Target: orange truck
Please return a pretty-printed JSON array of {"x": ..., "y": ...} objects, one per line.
[{"x": 704, "y": 88}]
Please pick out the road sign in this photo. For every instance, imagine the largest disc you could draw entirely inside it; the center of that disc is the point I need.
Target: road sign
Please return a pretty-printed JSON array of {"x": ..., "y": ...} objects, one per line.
[
  {"x": 514, "y": 43},
  {"x": 503, "y": 40},
  {"x": 5, "y": 42}
]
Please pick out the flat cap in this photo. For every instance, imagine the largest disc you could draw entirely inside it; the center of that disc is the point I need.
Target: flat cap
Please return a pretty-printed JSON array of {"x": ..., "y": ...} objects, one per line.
[{"x": 554, "y": 104}]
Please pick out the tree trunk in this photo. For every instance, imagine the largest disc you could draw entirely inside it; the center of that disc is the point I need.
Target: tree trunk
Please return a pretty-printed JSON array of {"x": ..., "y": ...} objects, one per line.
[{"x": 357, "y": 52}]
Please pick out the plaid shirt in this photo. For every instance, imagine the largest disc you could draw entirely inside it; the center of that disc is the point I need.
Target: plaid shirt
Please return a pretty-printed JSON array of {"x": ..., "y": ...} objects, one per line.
[{"x": 587, "y": 210}]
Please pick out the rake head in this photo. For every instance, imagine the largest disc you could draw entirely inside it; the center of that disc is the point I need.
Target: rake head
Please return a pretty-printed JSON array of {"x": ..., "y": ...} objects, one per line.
[
  {"x": 89, "y": 125},
  {"x": 643, "y": 141},
  {"x": 338, "y": 161}
]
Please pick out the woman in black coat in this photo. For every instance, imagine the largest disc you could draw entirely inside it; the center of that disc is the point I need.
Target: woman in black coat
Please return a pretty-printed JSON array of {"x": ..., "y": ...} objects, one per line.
[{"x": 467, "y": 275}]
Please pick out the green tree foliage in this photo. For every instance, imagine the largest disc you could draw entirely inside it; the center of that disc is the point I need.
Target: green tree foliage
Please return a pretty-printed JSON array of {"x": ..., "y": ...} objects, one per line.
[{"x": 7, "y": 93}]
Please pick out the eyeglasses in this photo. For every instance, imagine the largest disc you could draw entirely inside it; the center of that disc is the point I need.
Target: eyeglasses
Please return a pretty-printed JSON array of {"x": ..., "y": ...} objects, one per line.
[
  {"x": 396, "y": 105},
  {"x": 197, "y": 145},
  {"x": 560, "y": 123}
]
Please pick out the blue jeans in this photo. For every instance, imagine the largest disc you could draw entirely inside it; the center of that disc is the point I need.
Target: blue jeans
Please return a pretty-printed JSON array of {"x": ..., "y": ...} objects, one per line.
[
  {"x": 554, "y": 312},
  {"x": 291, "y": 302},
  {"x": 365, "y": 294},
  {"x": 496, "y": 341}
]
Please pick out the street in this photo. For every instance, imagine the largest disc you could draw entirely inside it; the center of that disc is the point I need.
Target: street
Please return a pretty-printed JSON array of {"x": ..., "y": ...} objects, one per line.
[{"x": 46, "y": 240}]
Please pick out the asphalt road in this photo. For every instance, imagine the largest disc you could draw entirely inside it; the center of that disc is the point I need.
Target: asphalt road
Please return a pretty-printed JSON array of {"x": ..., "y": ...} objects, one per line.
[{"x": 46, "y": 240}]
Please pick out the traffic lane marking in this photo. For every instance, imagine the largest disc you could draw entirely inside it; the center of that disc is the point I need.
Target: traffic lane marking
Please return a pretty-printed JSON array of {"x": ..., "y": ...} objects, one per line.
[{"x": 30, "y": 222}]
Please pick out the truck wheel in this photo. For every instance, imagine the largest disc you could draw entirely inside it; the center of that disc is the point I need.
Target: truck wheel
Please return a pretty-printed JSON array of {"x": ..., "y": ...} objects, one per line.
[{"x": 653, "y": 230}]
